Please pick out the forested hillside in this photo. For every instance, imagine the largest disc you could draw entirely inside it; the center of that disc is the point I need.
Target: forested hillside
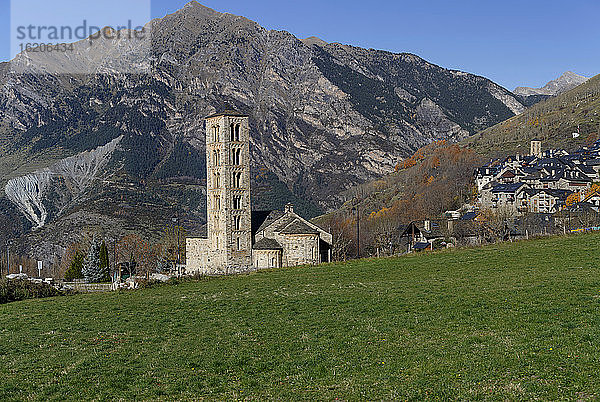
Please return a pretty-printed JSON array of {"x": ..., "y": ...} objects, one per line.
[{"x": 553, "y": 121}]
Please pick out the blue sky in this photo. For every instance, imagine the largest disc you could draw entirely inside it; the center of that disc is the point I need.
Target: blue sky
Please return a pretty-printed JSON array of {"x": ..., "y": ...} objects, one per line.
[{"x": 527, "y": 42}]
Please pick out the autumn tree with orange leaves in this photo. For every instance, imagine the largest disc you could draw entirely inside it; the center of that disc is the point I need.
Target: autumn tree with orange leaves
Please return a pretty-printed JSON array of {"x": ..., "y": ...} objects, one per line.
[
  {"x": 436, "y": 178},
  {"x": 573, "y": 199}
]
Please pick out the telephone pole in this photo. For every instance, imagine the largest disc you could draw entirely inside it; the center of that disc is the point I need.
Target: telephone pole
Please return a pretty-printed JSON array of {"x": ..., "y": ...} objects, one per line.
[
  {"x": 356, "y": 210},
  {"x": 7, "y": 257}
]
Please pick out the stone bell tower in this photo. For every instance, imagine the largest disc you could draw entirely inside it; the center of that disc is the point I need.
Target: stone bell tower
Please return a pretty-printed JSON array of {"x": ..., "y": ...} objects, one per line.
[{"x": 228, "y": 206}]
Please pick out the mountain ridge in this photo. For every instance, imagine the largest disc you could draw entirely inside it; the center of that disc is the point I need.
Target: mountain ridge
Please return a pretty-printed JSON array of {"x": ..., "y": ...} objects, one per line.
[
  {"x": 324, "y": 117},
  {"x": 553, "y": 120},
  {"x": 564, "y": 83}
]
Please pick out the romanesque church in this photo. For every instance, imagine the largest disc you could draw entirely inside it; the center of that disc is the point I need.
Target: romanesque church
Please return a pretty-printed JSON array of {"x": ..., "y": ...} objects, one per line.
[{"x": 239, "y": 239}]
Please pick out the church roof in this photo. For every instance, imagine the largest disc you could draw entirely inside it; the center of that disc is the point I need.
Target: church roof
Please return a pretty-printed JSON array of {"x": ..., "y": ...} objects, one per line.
[
  {"x": 227, "y": 112},
  {"x": 267, "y": 244},
  {"x": 298, "y": 227},
  {"x": 258, "y": 219},
  {"x": 262, "y": 219},
  {"x": 285, "y": 222}
]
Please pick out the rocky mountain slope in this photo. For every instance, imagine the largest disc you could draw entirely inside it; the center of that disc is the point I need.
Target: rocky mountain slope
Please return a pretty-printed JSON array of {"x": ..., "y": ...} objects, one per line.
[
  {"x": 564, "y": 83},
  {"x": 323, "y": 117}
]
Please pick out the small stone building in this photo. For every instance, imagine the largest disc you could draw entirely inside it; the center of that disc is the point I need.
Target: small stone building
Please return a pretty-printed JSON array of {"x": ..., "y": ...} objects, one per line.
[
  {"x": 237, "y": 239},
  {"x": 286, "y": 239}
]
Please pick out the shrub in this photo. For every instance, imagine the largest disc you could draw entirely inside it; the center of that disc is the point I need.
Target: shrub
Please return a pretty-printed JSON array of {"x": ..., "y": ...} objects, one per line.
[{"x": 21, "y": 289}]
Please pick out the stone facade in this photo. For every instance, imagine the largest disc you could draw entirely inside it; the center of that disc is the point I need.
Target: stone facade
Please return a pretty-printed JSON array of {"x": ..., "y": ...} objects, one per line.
[
  {"x": 302, "y": 242},
  {"x": 228, "y": 246},
  {"x": 536, "y": 148},
  {"x": 538, "y": 183},
  {"x": 232, "y": 244}
]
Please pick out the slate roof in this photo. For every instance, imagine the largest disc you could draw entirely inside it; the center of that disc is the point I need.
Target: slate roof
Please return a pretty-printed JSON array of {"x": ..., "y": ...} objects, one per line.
[
  {"x": 507, "y": 188},
  {"x": 560, "y": 194},
  {"x": 267, "y": 244},
  {"x": 285, "y": 222},
  {"x": 593, "y": 162},
  {"x": 436, "y": 230},
  {"x": 469, "y": 216},
  {"x": 407, "y": 230},
  {"x": 530, "y": 170},
  {"x": 228, "y": 112},
  {"x": 262, "y": 219},
  {"x": 533, "y": 176},
  {"x": 551, "y": 163},
  {"x": 586, "y": 169},
  {"x": 421, "y": 246},
  {"x": 573, "y": 175},
  {"x": 298, "y": 227},
  {"x": 581, "y": 207}
]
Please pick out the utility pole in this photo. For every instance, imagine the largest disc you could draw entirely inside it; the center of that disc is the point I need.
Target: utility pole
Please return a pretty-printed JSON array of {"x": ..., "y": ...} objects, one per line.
[
  {"x": 356, "y": 209},
  {"x": 116, "y": 267},
  {"x": 178, "y": 239},
  {"x": 7, "y": 257}
]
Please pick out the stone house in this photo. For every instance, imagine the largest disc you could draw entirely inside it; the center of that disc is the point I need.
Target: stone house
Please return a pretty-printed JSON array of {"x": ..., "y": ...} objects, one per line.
[
  {"x": 545, "y": 201},
  {"x": 485, "y": 175},
  {"x": 566, "y": 179},
  {"x": 508, "y": 198}
]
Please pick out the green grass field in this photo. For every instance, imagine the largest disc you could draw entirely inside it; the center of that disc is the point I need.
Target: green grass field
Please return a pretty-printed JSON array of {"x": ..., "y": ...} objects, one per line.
[{"x": 513, "y": 321}]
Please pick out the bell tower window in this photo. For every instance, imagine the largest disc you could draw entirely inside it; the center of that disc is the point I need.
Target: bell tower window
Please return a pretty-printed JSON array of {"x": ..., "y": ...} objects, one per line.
[
  {"x": 237, "y": 202},
  {"x": 237, "y": 180},
  {"x": 237, "y": 156}
]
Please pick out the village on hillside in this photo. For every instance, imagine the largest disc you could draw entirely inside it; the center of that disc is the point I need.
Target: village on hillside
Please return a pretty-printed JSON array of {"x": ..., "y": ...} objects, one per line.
[{"x": 546, "y": 192}]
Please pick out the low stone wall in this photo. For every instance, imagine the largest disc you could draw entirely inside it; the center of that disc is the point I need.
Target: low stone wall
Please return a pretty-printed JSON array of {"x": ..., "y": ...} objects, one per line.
[{"x": 89, "y": 287}]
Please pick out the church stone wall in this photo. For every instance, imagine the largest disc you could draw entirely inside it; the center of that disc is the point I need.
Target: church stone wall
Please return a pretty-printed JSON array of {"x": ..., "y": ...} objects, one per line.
[
  {"x": 300, "y": 249},
  {"x": 263, "y": 259}
]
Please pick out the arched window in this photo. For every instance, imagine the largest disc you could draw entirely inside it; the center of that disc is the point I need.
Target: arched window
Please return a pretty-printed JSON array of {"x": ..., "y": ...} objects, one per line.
[
  {"x": 237, "y": 180},
  {"x": 216, "y": 133},
  {"x": 238, "y": 244},
  {"x": 217, "y": 202},
  {"x": 237, "y": 132},
  {"x": 237, "y": 222},
  {"x": 237, "y": 202},
  {"x": 232, "y": 132},
  {"x": 217, "y": 157},
  {"x": 273, "y": 262},
  {"x": 237, "y": 156}
]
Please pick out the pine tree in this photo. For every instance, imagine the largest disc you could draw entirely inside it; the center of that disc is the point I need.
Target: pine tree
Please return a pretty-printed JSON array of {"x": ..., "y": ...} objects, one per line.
[
  {"x": 91, "y": 265},
  {"x": 75, "y": 269},
  {"x": 104, "y": 263}
]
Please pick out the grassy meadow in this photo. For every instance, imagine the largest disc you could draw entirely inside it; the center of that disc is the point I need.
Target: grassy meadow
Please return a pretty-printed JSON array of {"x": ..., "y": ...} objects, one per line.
[{"x": 511, "y": 321}]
